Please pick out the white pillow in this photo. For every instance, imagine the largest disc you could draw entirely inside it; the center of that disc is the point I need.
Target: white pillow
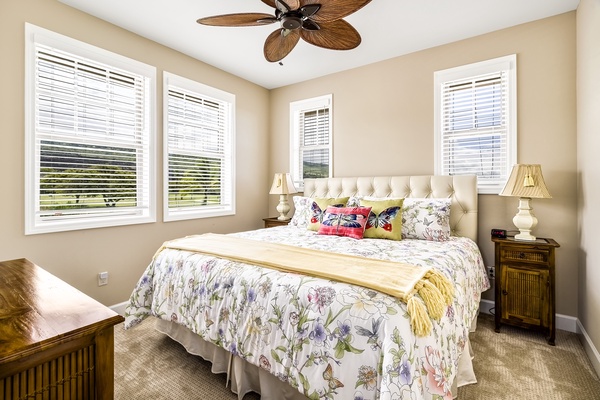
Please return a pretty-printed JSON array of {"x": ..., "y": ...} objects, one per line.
[{"x": 426, "y": 219}]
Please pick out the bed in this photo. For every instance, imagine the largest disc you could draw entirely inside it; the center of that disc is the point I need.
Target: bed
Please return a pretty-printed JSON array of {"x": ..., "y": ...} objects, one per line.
[{"x": 290, "y": 335}]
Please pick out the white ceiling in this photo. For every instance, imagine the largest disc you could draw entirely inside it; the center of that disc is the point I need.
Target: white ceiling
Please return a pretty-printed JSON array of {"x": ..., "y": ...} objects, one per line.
[{"x": 389, "y": 28}]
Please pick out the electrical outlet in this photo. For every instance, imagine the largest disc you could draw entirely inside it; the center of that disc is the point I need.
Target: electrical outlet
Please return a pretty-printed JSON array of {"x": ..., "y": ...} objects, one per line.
[
  {"x": 103, "y": 278},
  {"x": 491, "y": 272}
]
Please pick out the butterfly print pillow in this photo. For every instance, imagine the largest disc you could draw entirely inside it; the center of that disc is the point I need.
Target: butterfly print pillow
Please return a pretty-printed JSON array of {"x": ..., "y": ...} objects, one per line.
[
  {"x": 318, "y": 207},
  {"x": 345, "y": 221},
  {"x": 385, "y": 219}
]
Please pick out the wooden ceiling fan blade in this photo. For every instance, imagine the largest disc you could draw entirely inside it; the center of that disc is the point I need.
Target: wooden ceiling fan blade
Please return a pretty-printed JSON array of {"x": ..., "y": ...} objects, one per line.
[
  {"x": 270, "y": 3},
  {"x": 336, "y": 35},
  {"x": 332, "y": 10},
  {"x": 242, "y": 19},
  {"x": 287, "y": 5},
  {"x": 280, "y": 43}
]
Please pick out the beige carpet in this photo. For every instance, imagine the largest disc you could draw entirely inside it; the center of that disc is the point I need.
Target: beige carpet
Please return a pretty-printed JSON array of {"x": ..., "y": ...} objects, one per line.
[{"x": 513, "y": 364}]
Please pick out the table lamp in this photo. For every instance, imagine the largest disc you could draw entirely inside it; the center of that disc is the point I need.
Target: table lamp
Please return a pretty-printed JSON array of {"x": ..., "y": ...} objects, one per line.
[
  {"x": 526, "y": 182},
  {"x": 283, "y": 185}
]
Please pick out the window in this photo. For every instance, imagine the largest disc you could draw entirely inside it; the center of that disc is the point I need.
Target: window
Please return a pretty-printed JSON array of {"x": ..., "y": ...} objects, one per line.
[
  {"x": 475, "y": 121},
  {"x": 89, "y": 136},
  {"x": 199, "y": 150},
  {"x": 310, "y": 140}
]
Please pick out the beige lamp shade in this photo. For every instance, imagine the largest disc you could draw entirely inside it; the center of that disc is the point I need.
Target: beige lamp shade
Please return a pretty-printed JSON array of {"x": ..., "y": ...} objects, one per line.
[
  {"x": 526, "y": 180},
  {"x": 283, "y": 185}
]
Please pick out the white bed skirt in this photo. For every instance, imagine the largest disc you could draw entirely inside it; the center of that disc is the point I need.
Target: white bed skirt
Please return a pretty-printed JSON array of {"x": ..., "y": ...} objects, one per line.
[{"x": 245, "y": 377}]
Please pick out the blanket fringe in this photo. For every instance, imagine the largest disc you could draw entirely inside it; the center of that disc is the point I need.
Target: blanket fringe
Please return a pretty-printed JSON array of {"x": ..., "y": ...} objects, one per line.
[
  {"x": 435, "y": 294},
  {"x": 442, "y": 284},
  {"x": 433, "y": 299},
  {"x": 419, "y": 320}
]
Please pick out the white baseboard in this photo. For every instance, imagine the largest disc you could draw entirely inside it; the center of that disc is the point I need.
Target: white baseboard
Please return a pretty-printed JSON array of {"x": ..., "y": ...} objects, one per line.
[
  {"x": 485, "y": 306},
  {"x": 119, "y": 308},
  {"x": 589, "y": 347},
  {"x": 565, "y": 323}
]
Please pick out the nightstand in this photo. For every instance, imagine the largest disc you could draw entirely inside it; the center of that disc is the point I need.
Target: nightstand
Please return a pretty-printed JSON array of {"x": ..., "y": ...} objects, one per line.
[
  {"x": 524, "y": 286},
  {"x": 273, "y": 221}
]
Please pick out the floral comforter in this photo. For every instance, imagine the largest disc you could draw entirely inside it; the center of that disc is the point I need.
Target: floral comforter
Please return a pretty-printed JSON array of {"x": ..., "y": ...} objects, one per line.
[{"x": 330, "y": 340}]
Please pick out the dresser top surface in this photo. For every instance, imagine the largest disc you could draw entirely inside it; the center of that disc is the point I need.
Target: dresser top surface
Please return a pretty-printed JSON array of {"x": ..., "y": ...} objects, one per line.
[{"x": 37, "y": 309}]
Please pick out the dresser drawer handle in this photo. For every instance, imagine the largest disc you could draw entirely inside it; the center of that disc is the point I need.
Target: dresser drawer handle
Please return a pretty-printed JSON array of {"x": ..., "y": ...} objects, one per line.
[{"x": 522, "y": 255}]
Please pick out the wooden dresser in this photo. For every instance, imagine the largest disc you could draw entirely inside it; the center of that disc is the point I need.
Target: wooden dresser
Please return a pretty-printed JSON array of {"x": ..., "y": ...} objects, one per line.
[
  {"x": 55, "y": 342},
  {"x": 524, "y": 291}
]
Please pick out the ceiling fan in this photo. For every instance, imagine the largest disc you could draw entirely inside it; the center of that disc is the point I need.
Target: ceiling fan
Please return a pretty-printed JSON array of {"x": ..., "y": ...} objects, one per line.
[{"x": 318, "y": 22}]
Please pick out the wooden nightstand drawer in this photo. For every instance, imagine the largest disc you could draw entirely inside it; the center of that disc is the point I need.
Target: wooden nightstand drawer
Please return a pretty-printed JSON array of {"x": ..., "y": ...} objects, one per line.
[{"x": 525, "y": 255}]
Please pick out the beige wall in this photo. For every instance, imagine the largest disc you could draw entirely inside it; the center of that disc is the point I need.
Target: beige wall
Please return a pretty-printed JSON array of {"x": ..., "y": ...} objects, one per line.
[
  {"x": 383, "y": 125},
  {"x": 124, "y": 252},
  {"x": 588, "y": 144}
]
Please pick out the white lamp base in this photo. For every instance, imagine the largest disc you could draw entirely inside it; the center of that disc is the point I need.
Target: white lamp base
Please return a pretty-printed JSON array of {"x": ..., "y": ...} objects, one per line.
[
  {"x": 525, "y": 221},
  {"x": 283, "y": 207}
]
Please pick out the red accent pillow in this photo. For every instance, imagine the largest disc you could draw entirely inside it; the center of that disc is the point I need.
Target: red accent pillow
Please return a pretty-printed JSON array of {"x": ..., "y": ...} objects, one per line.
[{"x": 345, "y": 221}]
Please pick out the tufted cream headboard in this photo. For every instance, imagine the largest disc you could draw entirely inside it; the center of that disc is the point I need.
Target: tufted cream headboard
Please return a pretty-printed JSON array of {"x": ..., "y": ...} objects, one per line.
[{"x": 461, "y": 189}]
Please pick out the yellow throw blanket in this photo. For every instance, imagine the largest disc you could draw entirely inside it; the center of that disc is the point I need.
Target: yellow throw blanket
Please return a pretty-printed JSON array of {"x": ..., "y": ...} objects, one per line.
[{"x": 394, "y": 278}]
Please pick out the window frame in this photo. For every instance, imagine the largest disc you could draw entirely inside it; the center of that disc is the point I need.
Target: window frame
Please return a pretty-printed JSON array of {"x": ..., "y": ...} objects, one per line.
[
  {"x": 228, "y": 184},
  {"x": 303, "y": 106},
  {"x": 506, "y": 64},
  {"x": 146, "y": 192}
]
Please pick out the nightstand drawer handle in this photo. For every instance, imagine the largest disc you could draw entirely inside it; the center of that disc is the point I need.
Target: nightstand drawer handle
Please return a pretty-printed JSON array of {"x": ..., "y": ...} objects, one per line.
[{"x": 522, "y": 255}]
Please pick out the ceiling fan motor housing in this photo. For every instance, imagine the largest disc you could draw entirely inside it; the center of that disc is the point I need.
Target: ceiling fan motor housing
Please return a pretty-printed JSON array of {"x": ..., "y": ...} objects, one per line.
[{"x": 291, "y": 21}]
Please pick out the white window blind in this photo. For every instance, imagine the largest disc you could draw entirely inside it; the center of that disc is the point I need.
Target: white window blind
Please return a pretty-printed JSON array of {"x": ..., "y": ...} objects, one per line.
[
  {"x": 199, "y": 150},
  {"x": 476, "y": 130},
  {"x": 311, "y": 139},
  {"x": 89, "y": 138}
]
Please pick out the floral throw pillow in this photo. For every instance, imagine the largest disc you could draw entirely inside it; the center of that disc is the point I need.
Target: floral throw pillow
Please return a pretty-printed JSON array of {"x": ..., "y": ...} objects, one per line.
[
  {"x": 318, "y": 207},
  {"x": 345, "y": 221},
  {"x": 354, "y": 201},
  {"x": 385, "y": 219},
  {"x": 426, "y": 219},
  {"x": 301, "y": 211}
]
